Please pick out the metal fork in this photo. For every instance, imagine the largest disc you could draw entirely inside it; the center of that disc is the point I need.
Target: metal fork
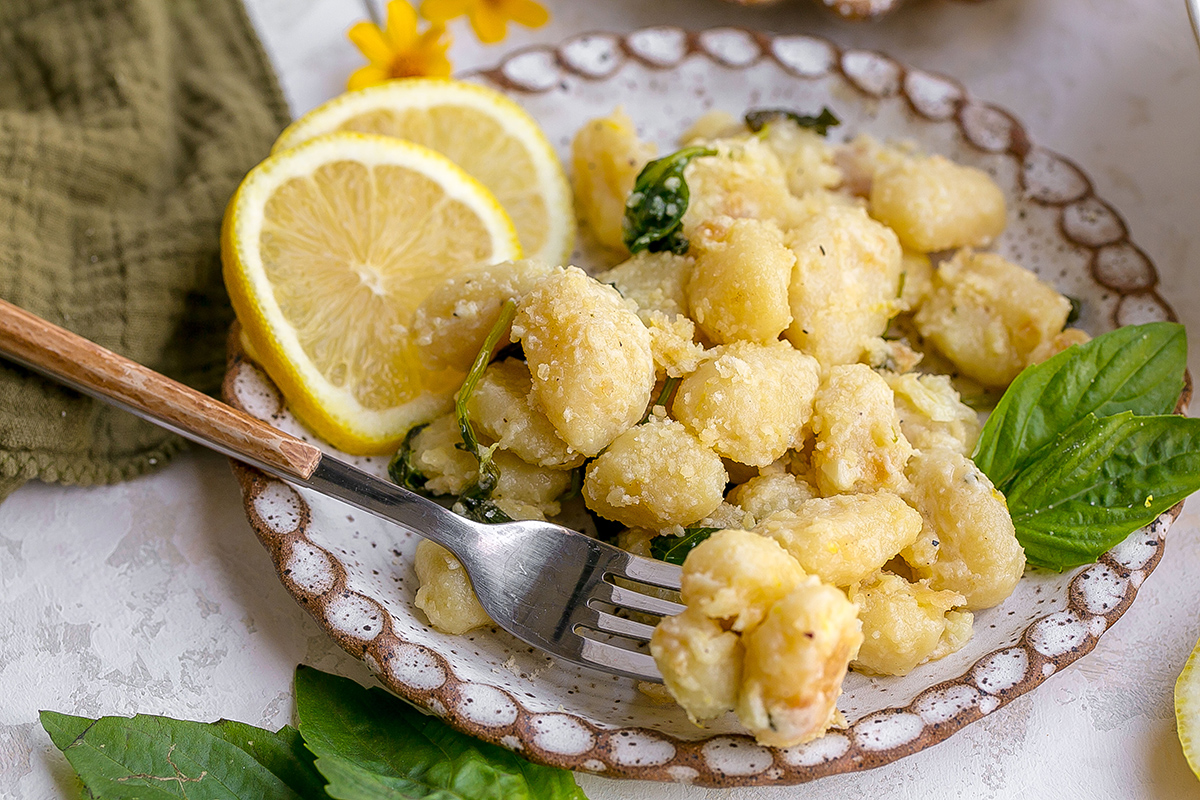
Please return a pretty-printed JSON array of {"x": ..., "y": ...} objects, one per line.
[{"x": 549, "y": 586}]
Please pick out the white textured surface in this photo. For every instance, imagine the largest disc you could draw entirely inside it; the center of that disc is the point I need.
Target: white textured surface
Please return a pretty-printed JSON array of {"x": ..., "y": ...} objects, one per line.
[{"x": 155, "y": 597}]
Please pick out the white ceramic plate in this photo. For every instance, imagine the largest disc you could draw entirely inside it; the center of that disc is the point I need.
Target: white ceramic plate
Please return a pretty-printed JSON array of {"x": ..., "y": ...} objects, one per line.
[{"x": 354, "y": 573}]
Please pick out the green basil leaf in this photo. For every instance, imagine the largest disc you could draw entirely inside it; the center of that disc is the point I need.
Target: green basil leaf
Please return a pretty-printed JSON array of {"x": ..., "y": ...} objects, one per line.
[
  {"x": 1075, "y": 312},
  {"x": 664, "y": 397},
  {"x": 476, "y": 498},
  {"x": 371, "y": 745},
  {"x": 1137, "y": 368},
  {"x": 758, "y": 119},
  {"x": 473, "y": 505},
  {"x": 148, "y": 757},
  {"x": 282, "y": 752},
  {"x": 401, "y": 469},
  {"x": 675, "y": 549},
  {"x": 1099, "y": 481},
  {"x": 655, "y": 208}
]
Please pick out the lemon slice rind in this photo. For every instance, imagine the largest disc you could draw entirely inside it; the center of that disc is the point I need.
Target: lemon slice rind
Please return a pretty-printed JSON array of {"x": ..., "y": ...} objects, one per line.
[
  {"x": 332, "y": 412},
  {"x": 425, "y": 93}
]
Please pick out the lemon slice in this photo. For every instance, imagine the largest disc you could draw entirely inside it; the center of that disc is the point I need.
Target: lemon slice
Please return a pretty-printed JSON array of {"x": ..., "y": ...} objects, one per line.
[
  {"x": 328, "y": 249},
  {"x": 1187, "y": 709},
  {"x": 482, "y": 131}
]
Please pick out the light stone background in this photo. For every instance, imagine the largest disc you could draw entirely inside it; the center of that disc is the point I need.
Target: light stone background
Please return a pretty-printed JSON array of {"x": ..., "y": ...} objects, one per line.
[{"x": 155, "y": 597}]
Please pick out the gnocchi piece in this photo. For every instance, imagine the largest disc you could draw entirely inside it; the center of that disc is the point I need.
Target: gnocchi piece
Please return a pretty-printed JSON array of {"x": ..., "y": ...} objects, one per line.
[
  {"x": 904, "y": 624},
  {"x": 739, "y": 285},
  {"x": 654, "y": 281},
  {"x": 807, "y": 159},
  {"x": 726, "y": 515},
  {"x": 916, "y": 279},
  {"x": 653, "y": 476},
  {"x": 844, "y": 538},
  {"x": 736, "y": 576},
  {"x": 773, "y": 491},
  {"x": 1062, "y": 341},
  {"x": 501, "y": 408},
  {"x": 701, "y": 663},
  {"x": 931, "y": 413},
  {"x": 893, "y": 355},
  {"x": 448, "y": 469},
  {"x": 606, "y": 156},
  {"x": 589, "y": 357},
  {"x": 515, "y": 509},
  {"x": 445, "y": 593},
  {"x": 435, "y": 454},
  {"x": 859, "y": 444},
  {"x": 960, "y": 625},
  {"x": 863, "y": 156},
  {"x": 637, "y": 541},
  {"x": 935, "y": 204},
  {"x": 846, "y": 283},
  {"x": 967, "y": 544},
  {"x": 713, "y": 125},
  {"x": 744, "y": 179},
  {"x": 530, "y": 485},
  {"x": 750, "y": 402},
  {"x": 672, "y": 343},
  {"x": 795, "y": 663},
  {"x": 989, "y": 316},
  {"x": 450, "y": 325}
]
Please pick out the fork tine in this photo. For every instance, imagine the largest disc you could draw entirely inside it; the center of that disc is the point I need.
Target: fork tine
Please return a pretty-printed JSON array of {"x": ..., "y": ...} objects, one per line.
[
  {"x": 610, "y": 623},
  {"x": 636, "y": 601},
  {"x": 650, "y": 571},
  {"x": 619, "y": 660}
]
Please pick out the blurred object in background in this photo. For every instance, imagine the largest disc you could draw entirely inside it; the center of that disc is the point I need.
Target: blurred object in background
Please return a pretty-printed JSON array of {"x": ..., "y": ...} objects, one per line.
[{"x": 848, "y": 9}]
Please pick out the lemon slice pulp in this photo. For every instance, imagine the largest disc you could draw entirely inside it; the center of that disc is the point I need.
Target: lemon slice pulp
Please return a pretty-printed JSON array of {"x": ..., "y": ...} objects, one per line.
[
  {"x": 489, "y": 136},
  {"x": 328, "y": 249},
  {"x": 1187, "y": 709}
]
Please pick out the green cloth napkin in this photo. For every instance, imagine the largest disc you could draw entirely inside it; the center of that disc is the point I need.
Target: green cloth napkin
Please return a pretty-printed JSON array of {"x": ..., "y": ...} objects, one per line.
[{"x": 125, "y": 126}]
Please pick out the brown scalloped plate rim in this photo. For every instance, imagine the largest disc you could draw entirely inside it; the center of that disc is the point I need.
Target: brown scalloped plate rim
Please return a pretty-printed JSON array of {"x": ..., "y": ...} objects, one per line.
[{"x": 969, "y": 696}]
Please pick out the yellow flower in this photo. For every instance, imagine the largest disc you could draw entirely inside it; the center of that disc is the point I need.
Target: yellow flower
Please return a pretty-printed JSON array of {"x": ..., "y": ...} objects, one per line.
[
  {"x": 398, "y": 51},
  {"x": 489, "y": 18}
]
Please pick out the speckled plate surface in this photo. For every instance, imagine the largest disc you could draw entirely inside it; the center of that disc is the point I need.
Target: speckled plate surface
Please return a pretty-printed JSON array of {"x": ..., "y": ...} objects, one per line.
[{"x": 354, "y": 575}]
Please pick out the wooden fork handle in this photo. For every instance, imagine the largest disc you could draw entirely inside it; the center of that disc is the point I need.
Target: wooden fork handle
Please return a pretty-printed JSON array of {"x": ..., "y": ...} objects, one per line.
[{"x": 89, "y": 368}]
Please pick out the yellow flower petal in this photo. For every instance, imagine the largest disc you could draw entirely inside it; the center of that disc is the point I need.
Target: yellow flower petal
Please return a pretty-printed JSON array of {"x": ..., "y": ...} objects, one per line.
[
  {"x": 525, "y": 12},
  {"x": 366, "y": 76},
  {"x": 438, "y": 66},
  {"x": 371, "y": 43},
  {"x": 489, "y": 22},
  {"x": 401, "y": 25},
  {"x": 444, "y": 10}
]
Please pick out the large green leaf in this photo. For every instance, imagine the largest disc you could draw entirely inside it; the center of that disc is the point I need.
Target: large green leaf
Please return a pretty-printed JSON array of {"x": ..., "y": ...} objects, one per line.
[
  {"x": 1099, "y": 481},
  {"x": 371, "y": 745},
  {"x": 1137, "y": 368},
  {"x": 149, "y": 757}
]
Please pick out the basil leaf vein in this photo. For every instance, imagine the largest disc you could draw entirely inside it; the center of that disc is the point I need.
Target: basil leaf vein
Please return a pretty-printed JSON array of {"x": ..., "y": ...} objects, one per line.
[
  {"x": 1136, "y": 368},
  {"x": 152, "y": 757}
]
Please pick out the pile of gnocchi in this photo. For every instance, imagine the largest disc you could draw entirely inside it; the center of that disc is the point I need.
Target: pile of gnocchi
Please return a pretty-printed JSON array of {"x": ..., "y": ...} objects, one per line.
[{"x": 790, "y": 378}]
